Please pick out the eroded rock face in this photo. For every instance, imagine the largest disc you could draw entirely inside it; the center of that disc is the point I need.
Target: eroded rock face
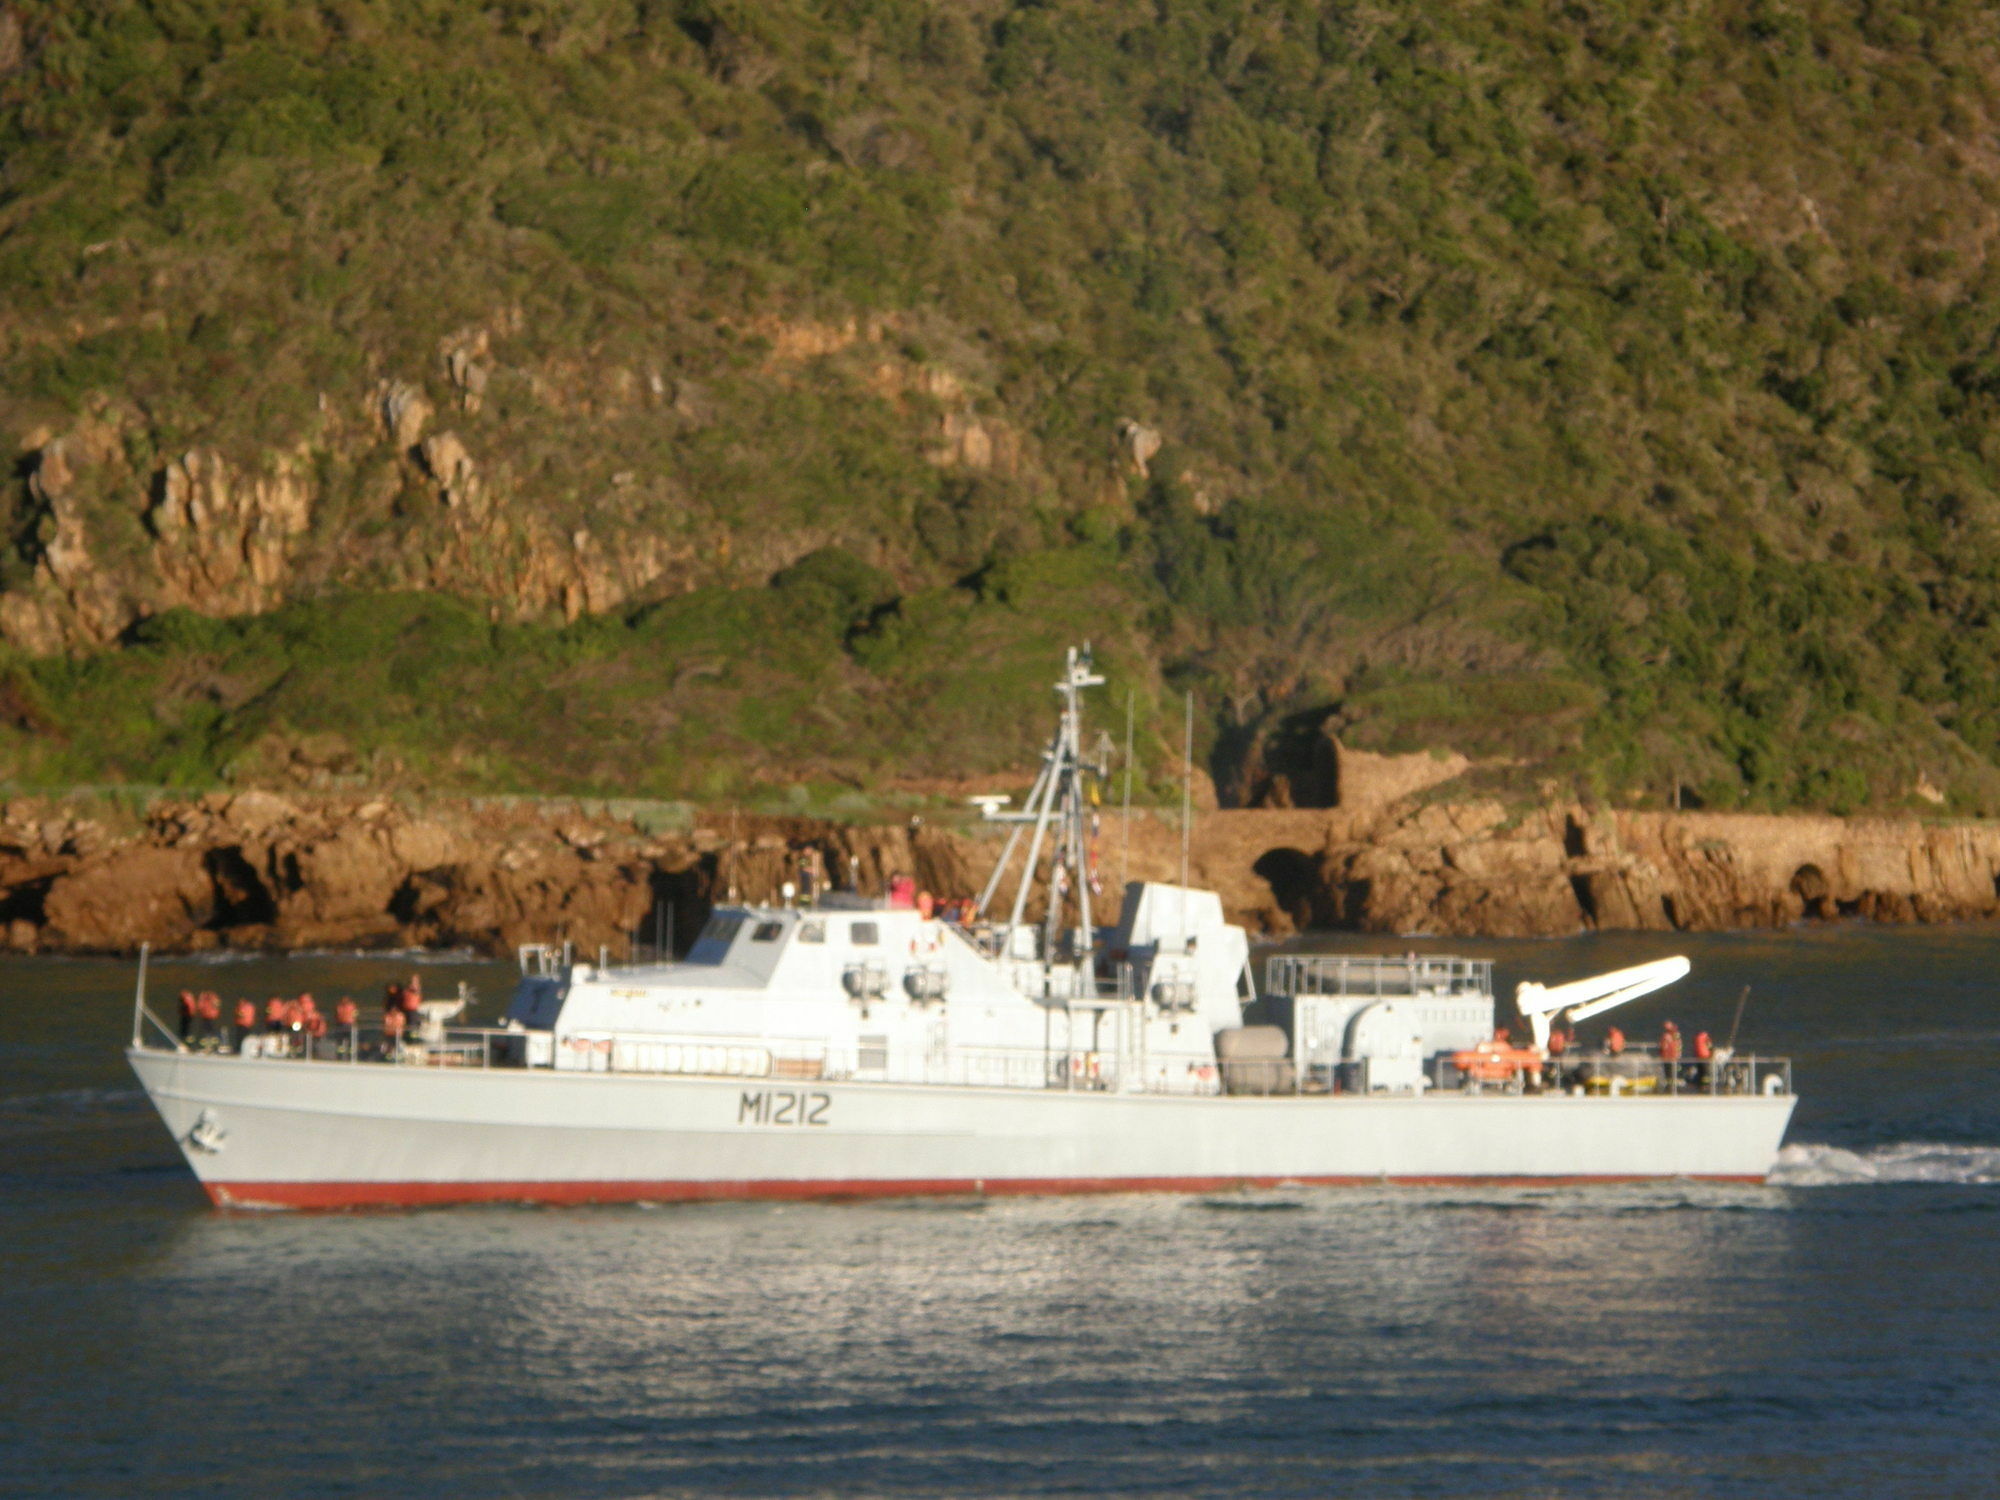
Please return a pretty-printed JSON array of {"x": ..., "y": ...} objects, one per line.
[
  {"x": 1469, "y": 868},
  {"x": 110, "y": 545},
  {"x": 399, "y": 484},
  {"x": 143, "y": 894},
  {"x": 257, "y": 870},
  {"x": 225, "y": 539},
  {"x": 71, "y": 597}
]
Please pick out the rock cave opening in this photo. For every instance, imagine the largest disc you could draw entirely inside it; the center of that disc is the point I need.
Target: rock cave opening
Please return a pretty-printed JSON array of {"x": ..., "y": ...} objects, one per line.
[
  {"x": 241, "y": 897},
  {"x": 1294, "y": 879},
  {"x": 1809, "y": 884}
]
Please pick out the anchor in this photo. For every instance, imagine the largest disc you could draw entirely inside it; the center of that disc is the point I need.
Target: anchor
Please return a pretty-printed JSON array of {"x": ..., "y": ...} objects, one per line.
[{"x": 206, "y": 1134}]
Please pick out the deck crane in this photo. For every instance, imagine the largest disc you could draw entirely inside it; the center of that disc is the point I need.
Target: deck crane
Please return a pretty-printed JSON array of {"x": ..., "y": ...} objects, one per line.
[{"x": 1584, "y": 998}]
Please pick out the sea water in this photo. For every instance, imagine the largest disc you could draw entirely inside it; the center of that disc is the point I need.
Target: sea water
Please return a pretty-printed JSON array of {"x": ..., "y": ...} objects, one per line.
[{"x": 1836, "y": 1333}]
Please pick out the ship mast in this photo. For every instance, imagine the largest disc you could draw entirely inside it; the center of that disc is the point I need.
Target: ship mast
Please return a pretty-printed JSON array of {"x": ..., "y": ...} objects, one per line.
[{"x": 1058, "y": 810}]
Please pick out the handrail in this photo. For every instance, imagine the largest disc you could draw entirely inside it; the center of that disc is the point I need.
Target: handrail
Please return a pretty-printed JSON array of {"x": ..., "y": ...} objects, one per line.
[
  {"x": 138, "y": 1037},
  {"x": 1375, "y": 974},
  {"x": 1063, "y": 1064},
  {"x": 139, "y": 994}
]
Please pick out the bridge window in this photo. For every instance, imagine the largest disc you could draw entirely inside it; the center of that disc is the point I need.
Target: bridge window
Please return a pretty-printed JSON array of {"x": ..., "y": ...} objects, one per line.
[
  {"x": 712, "y": 946},
  {"x": 812, "y": 932},
  {"x": 864, "y": 934},
  {"x": 767, "y": 932}
]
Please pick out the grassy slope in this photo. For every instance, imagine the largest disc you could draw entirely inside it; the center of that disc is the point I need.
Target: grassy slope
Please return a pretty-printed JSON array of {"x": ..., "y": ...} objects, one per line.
[{"x": 1609, "y": 389}]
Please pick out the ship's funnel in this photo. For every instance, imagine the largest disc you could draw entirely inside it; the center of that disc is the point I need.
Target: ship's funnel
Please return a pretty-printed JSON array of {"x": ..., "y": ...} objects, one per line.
[{"x": 1584, "y": 998}]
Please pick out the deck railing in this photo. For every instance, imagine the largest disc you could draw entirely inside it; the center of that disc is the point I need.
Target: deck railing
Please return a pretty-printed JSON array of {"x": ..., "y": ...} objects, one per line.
[
  {"x": 1060, "y": 1065},
  {"x": 1376, "y": 974}
]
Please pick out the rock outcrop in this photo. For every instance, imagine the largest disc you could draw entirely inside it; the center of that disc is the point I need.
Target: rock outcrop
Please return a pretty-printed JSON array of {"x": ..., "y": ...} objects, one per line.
[
  {"x": 256, "y": 870},
  {"x": 401, "y": 485},
  {"x": 1472, "y": 868},
  {"x": 260, "y": 871}
]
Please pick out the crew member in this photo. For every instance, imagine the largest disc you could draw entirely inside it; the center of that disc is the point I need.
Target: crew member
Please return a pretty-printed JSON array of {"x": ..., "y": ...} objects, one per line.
[
  {"x": 392, "y": 1030},
  {"x": 347, "y": 1017},
  {"x": 208, "y": 1018},
  {"x": 1670, "y": 1054},
  {"x": 1704, "y": 1058},
  {"x": 246, "y": 1021},
  {"x": 187, "y": 1015},
  {"x": 1614, "y": 1041}
]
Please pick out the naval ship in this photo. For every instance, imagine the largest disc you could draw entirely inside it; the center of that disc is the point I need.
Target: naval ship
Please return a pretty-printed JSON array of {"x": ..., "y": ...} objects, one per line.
[{"x": 841, "y": 1044}]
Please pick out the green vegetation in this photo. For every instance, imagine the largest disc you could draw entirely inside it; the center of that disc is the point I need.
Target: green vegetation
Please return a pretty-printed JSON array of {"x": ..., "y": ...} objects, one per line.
[
  {"x": 781, "y": 696},
  {"x": 1610, "y": 392}
]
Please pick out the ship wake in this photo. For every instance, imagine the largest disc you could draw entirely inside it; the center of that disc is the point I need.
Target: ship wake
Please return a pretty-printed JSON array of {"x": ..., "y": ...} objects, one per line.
[{"x": 1806, "y": 1166}]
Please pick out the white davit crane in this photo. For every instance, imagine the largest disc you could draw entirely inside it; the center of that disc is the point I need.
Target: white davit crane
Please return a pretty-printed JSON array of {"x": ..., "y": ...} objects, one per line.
[{"x": 1584, "y": 998}]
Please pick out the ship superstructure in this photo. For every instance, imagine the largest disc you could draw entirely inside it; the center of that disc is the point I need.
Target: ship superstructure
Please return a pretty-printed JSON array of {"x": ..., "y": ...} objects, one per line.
[{"x": 846, "y": 1042}]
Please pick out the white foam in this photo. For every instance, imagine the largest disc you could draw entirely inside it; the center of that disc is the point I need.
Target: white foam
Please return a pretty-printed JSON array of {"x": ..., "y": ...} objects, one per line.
[{"x": 1905, "y": 1161}]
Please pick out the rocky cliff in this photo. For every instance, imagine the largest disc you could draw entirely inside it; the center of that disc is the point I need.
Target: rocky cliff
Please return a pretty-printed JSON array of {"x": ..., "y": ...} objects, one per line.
[
  {"x": 413, "y": 483},
  {"x": 1602, "y": 394},
  {"x": 255, "y": 870}
]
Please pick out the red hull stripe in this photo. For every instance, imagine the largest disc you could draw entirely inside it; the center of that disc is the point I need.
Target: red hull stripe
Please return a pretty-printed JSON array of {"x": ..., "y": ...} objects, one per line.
[{"x": 326, "y": 1195}]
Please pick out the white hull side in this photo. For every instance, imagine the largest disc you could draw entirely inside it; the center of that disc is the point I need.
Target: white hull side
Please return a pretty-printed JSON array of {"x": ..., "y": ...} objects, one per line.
[{"x": 310, "y": 1134}]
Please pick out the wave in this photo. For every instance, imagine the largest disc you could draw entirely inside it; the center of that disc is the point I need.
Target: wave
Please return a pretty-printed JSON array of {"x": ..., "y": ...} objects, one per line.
[
  {"x": 1809, "y": 1166},
  {"x": 70, "y": 1101}
]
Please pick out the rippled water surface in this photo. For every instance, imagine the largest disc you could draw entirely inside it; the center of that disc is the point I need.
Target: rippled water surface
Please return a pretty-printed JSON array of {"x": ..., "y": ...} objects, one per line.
[{"x": 1835, "y": 1333}]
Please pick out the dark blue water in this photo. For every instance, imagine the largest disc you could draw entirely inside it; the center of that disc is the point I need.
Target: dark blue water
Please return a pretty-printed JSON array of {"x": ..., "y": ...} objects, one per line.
[{"x": 1836, "y": 1334}]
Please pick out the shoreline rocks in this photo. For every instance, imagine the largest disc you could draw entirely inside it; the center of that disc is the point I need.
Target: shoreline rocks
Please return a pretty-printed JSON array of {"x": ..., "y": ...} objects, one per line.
[{"x": 257, "y": 870}]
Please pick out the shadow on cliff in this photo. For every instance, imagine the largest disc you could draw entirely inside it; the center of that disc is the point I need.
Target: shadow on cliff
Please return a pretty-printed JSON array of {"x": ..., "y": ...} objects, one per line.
[{"x": 1302, "y": 888}]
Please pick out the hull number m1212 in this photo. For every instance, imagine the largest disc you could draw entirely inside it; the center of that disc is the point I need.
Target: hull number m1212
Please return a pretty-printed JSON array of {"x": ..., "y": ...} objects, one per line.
[{"x": 780, "y": 1107}]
